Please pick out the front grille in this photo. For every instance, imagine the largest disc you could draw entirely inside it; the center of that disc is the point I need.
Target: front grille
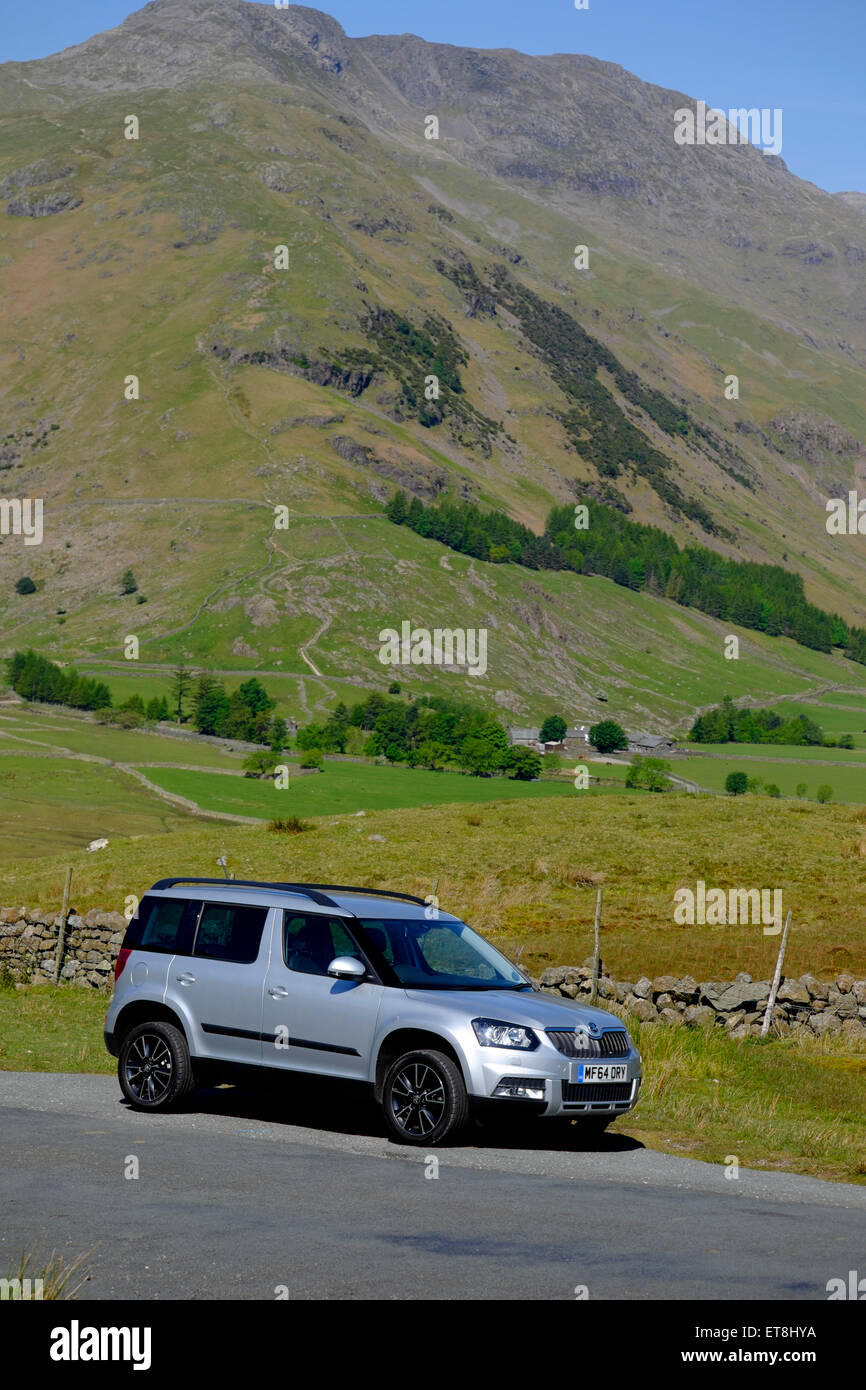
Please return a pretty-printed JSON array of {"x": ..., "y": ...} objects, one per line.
[
  {"x": 573, "y": 1044},
  {"x": 613, "y": 1043},
  {"x": 607, "y": 1093}
]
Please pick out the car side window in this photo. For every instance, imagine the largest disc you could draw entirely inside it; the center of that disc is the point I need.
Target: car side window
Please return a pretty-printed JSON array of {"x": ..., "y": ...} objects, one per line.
[
  {"x": 230, "y": 932},
  {"x": 157, "y": 926},
  {"x": 311, "y": 942}
]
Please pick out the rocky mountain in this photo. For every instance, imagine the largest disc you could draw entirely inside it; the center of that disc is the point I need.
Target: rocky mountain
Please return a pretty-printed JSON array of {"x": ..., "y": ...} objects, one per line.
[{"x": 282, "y": 257}]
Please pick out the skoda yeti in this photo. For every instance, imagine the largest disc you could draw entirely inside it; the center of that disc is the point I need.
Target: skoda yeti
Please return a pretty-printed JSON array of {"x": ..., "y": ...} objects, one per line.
[{"x": 217, "y": 975}]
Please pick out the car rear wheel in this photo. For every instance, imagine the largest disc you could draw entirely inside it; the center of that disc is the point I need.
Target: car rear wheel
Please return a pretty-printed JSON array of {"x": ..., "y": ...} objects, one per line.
[
  {"x": 154, "y": 1067},
  {"x": 424, "y": 1098}
]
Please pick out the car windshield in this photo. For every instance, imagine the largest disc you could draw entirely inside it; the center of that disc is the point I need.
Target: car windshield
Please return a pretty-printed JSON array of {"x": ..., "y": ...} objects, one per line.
[{"x": 436, "y": 954}]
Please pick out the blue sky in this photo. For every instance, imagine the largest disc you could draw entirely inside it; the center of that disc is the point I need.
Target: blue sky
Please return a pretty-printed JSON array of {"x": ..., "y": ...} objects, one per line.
[{"x": 802, "y": 56}]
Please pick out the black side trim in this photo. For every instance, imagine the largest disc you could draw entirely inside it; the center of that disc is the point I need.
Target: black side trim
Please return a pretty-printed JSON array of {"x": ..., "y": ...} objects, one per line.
[
  {"x": 269, "y": 1038},
  {"x": 231, "y": 1032},
  {"x": 318, "y": 1047}
]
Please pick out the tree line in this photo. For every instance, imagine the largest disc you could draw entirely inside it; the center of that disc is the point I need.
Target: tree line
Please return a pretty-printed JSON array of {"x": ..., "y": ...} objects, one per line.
[
  {"x": 434, "y": 731},
  {"x": 728, "y": 724},
  {"x": 246, "y": 713},
  {"x": 761, "y": 597}
]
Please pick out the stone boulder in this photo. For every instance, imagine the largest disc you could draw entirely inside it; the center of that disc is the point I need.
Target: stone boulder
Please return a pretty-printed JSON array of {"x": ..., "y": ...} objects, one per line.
[
  {"x": 843, "y": 1004},
  {"x": 817, "y": 989},
  {"x": 793, "y": 992},
  {"x": 825, "y": 1023},
  {"x": 665, "y": 984},
  {"x": 740, "y": 996},
  {"x": 699, "y": 1016}
]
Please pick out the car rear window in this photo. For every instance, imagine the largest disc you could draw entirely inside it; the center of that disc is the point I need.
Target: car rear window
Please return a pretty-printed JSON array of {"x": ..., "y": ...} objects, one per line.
[
  {"x": 158, "y": 926},
  {"x": 229, "y": 932}
]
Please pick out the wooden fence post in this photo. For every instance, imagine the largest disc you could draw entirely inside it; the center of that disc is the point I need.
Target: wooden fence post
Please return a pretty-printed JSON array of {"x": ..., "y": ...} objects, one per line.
[
  {"x": 595, "y": 960},
  {"x": 771, "y": 1002},
  {"x": 64, "y": 912}
]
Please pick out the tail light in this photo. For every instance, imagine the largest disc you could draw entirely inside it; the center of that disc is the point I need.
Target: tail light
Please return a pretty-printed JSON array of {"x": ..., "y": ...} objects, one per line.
[{"x": 122, "y": 957}]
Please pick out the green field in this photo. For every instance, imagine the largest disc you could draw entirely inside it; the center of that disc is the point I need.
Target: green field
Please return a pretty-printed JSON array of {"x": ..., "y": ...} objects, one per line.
[
  {"x": 347, "y": 787},
  {"x": 833, "y": 719},
  {"x": 41, "y": 785},
  {"x": 848, "y": 783},
  {"x": 35, "y": 730},
  {"x": 48, "y": 805},
  {"x": 780, "y": 752},
  {"x": 851, "y": 702}
]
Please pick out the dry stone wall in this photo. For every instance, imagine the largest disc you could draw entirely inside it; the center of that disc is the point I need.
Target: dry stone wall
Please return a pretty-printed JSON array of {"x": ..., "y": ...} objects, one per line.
[
  {"x": 737, "y": 1005},
  {"x": 29, "y": 939}
]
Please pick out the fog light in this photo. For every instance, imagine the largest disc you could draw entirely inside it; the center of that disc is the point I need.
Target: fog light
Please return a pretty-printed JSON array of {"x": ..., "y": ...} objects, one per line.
[{"x": 521, "y": 1088}]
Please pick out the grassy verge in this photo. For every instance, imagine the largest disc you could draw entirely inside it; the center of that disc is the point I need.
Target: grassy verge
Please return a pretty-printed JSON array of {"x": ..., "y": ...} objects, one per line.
[
  {"x": 792, "y": 1104},
  {"x": 797, "y": 1105},
  {"x": 53, "y": 1028}
]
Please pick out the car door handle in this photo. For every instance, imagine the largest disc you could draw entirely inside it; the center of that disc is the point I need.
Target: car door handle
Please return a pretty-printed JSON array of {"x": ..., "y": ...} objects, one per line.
[
  {"x": 278, "y": 992},
  {"x": 186, "y": 979}
]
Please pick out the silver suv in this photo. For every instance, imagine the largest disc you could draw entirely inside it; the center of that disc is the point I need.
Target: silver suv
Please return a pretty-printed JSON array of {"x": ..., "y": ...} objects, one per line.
[{"x": 382, "y": 988}]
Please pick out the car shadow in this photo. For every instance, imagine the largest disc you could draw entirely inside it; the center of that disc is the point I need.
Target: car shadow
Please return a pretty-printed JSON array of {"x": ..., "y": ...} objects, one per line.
[{"x": 339, "y": 1107}]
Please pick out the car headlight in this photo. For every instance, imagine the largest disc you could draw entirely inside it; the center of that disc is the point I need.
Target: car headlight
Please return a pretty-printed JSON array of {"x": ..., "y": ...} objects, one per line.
[{"x": 490, "y": 1032}]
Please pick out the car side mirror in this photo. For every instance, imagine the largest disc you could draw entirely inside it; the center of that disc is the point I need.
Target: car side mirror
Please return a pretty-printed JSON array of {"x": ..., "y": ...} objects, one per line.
[{"x": 347, "y": 968}]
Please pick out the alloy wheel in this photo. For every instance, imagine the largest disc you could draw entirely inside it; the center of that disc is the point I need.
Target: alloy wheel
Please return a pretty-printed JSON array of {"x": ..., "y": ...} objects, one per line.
[
  {"x": 418, "y": 1099},
  {"x": 149, "y": 1068}
]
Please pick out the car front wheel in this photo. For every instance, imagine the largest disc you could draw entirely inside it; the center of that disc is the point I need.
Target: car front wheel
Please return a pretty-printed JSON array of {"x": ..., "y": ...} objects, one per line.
[
  {"x": 154, "y": 1067},
  {"x": 424, "y": 1098}
]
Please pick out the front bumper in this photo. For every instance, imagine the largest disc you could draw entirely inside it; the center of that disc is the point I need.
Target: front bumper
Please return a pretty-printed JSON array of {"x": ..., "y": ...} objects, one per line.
[{"x": 564, "y": 1094}]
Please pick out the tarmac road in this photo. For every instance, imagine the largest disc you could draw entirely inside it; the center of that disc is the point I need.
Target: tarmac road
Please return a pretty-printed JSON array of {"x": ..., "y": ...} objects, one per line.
[{"x": 245, "y": 1194}]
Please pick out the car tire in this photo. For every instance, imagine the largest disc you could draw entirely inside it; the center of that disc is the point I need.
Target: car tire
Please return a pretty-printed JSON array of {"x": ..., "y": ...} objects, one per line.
[
  {"x": 154, "y": 1067},
  {"x": 424, "y": 1098}
]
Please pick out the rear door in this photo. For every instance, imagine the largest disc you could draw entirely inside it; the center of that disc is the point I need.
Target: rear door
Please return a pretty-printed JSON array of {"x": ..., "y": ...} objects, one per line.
[
  {"x": 221, "y": 979},
  {"x": 161, "y": 927},
  {"x": 312, "y": 1022}
]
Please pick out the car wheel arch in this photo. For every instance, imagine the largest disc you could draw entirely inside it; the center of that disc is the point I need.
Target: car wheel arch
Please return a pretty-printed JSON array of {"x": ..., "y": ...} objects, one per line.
[
  {"x": 147, "y": 1011},
  {"x": 402, "y": 1040}
]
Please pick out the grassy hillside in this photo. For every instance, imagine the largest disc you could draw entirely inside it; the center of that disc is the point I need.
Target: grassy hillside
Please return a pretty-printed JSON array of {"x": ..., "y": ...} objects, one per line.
[{"x": 554, "y": 639}]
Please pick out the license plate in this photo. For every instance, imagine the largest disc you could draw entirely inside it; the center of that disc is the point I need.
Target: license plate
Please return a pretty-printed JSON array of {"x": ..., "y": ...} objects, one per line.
[{"x": 599, "y": 1071}]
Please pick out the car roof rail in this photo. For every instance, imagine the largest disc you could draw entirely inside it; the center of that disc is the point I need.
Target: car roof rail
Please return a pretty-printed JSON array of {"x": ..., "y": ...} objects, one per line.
[
  {"x": 318, "y": 892},
  {"x": 370, "y": 892},
  {"x": 307, "y": 890}
]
